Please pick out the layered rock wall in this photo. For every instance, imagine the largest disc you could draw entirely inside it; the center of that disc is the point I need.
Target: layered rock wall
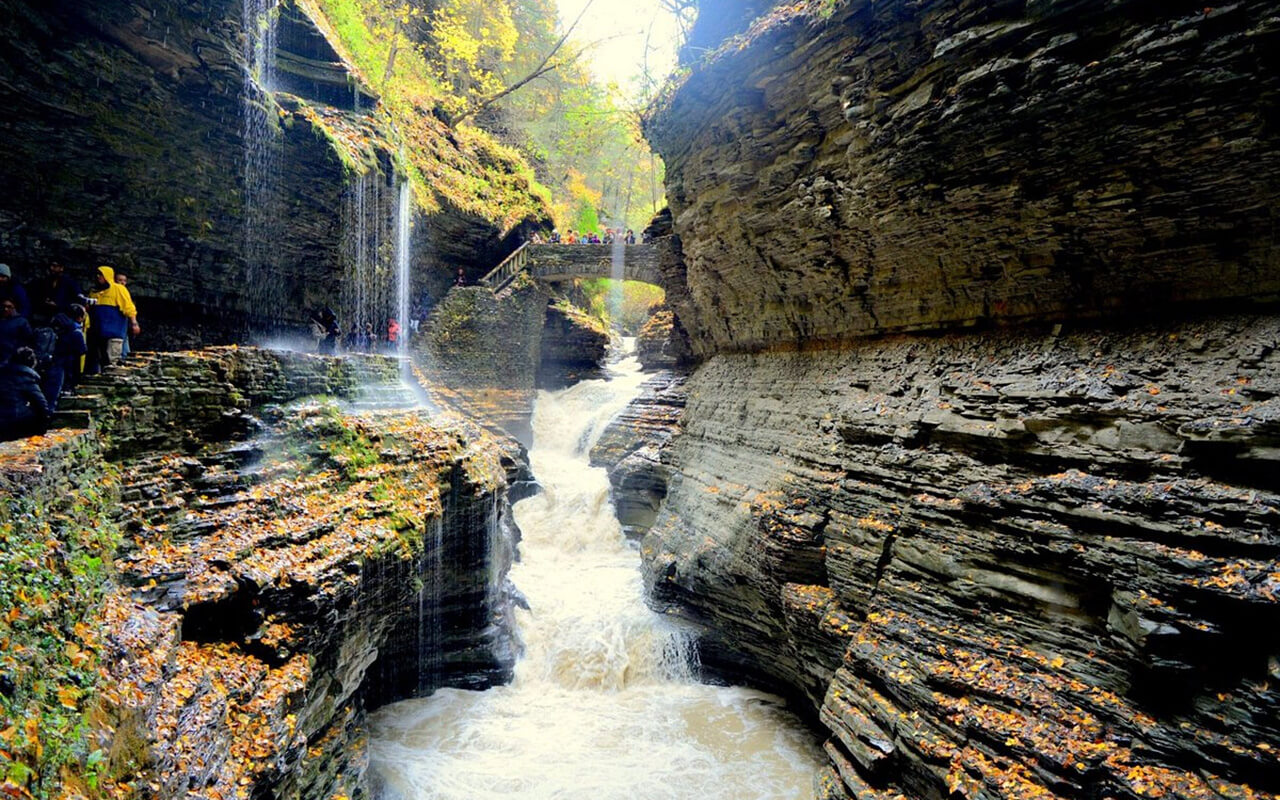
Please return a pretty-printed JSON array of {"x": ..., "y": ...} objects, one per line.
[
  {"x": 1016, "y": 565},
  {"x": 172, "y": 401},
  {"x": 1037, "y": 559},
  {"x": 488, "y": 353},
  {"x": 277, "y": 575},
  {"x": 853, "y": 168},
  {"x": 574, "y": 344},
  {"x": 633, "y": 448},
  {"x": 126, "y": 142}
]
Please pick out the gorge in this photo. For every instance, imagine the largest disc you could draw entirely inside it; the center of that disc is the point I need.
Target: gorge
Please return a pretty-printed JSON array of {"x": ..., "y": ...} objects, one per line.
[{"x": 958, "y": 431}]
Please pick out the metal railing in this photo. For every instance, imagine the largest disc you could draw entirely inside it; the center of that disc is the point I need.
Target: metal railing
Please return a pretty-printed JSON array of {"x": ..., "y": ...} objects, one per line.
[{"x": 510, "y": 267}]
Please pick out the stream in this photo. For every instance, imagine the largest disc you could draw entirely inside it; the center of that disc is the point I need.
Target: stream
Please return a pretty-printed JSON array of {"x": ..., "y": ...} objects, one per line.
[{"x": 604, "y": 705}]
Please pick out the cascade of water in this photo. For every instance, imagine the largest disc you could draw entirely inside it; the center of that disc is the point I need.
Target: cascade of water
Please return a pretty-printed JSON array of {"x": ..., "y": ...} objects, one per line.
[
  {"x": 618, "y": 272},
  {"x": 430, "y": 604},
  {"x": 369, "y": 287},
  {"x": 603, "y": 704},
  {"x": 404, "y": 246},
  {"x": 262, "y": 157}
]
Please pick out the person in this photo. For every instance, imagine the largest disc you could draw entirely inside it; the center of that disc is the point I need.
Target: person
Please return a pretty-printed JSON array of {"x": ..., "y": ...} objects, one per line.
[
  {"x": 15, "y": 331},
  {"x": 329, "y": 344},
  {"x": 111, "y": 316},
  {"x": 367, "y": 338},
  {"x": 11, "y": 290},
  {"x": 123, "y": 280},
  {"x": 55, "y": 293},
  {"x": 631, "y": 236},
  {"x": 317, "y": 329},
  {"x": 23, "y": 410},
  {"x": 536, "y": 238},
  {"x": 461, "y": 279},
  {"x": 572, "y": 238},
  {"x": 555, "y": 237},
  {"x": 393, "y": 334},
  {"x": 63, "y": 369}
]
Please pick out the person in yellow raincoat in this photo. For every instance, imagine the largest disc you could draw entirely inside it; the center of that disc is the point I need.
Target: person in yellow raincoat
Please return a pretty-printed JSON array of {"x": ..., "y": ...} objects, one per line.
[{"x": 112, "y": 315}]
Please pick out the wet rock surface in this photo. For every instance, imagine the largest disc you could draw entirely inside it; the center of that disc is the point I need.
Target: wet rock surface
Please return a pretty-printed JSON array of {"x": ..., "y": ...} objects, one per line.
[
  {"x": 277, "y": 590},
  {"x": 172, "y": 401},
  {"x": 124, "y": 144},
  {"x": 1016, "y": 564},
  {"x": 632, "y": 450},
  {"x": 574, "y": 344},
  {"x": 311, "y": 563},
  {"x": 853, "y": 168},
  {"x": 662, "y": 342}
]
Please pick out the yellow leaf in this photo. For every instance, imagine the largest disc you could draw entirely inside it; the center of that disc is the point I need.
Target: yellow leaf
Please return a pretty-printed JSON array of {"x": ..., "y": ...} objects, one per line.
[
  {"x": 67, "y": 696},
  {"x": 32, "y": 729}
]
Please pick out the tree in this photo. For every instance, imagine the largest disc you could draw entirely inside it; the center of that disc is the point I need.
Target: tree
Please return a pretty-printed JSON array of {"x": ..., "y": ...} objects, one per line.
[{"x": 555, "y": 57}]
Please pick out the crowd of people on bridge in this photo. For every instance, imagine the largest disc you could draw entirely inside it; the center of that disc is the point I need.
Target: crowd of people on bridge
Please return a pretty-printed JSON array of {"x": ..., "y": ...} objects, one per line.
[
  {"x": 52, "y": 333},
  {"x": 610, "y": 236}
]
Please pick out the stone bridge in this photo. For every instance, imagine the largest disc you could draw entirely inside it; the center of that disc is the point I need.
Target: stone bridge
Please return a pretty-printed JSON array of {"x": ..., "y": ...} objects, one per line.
[{"x": 556, "y": 263}]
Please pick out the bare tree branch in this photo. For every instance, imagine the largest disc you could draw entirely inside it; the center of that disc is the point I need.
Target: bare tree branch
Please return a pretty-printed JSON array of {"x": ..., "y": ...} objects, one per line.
[
  {"x": 391, "y": 57},
  {"x": 543, "y": 68}
]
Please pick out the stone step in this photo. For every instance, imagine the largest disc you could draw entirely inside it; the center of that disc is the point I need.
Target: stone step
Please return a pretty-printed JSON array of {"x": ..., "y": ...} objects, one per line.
[
  {"x": 81, "y": 402},
  {"x": 70, "y": 418}
]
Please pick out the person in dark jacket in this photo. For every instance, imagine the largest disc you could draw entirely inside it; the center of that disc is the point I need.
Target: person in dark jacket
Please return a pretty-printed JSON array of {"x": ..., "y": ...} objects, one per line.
[
  {"x": 23, "y": 411},
  {"x": 332, "y": 331},
  {"x": 15, "y": 331},
  {"x": 64, "y": 370},
  {"x": 55, "y": 293},
  {"x": 12, "y": 290}
]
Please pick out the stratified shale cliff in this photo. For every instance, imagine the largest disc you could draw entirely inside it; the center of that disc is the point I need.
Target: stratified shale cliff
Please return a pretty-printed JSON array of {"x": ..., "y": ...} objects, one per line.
[
  {"x": 1050, "y": 560},
  {"x": 280, "y": 567},
  {"x": 976, "y": 461},
  {"x": 127, "y": 140},
  {"x": 892, "y": 166}
]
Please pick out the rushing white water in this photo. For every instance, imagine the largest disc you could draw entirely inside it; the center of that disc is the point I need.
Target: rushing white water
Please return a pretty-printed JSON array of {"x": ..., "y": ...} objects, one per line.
[
  {"x": 602, "y": 706},
  {"x": 262, "y": 158}
]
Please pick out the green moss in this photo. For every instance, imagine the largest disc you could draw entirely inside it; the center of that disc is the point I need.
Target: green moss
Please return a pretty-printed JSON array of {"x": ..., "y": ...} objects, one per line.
[
  {"x": 55, "y": 557},
  {"x": 318, "y": 435},
  {"x": 462, "y": 167}
]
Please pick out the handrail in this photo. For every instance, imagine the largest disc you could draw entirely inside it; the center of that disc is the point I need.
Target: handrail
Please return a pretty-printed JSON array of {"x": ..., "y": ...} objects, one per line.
[{"x": 510, "y": 267}]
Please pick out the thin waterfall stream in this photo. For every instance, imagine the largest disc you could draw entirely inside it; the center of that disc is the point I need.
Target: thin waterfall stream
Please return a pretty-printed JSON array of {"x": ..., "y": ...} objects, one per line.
[
  {"x": 604, "y": 704},
  {"x": 262, "y": 159}
]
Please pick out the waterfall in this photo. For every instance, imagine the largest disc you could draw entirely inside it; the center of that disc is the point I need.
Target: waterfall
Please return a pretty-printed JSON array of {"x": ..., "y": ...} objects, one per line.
[
  {"x": 604, "y": 704},
  {"x": 430, "y": 601},
  {"x": 618, "y": 272},
  {"x": 369, "y": 269},
  {"x": 404, "y": 246},
  {"x": 262, "y": 157}
]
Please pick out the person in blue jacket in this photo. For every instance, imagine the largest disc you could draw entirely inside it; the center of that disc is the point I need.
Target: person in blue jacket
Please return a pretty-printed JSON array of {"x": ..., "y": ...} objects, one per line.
[
  {"x": 64, "y": 368},
  {"x": 15, "y": 331},
  {"x": 55, "y": 293},
  {"x": 23, "y": 411}
]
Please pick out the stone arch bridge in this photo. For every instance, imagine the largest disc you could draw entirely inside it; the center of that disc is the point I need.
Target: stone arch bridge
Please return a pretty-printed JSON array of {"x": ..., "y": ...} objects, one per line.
[{"x": 555, "y": 263}]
